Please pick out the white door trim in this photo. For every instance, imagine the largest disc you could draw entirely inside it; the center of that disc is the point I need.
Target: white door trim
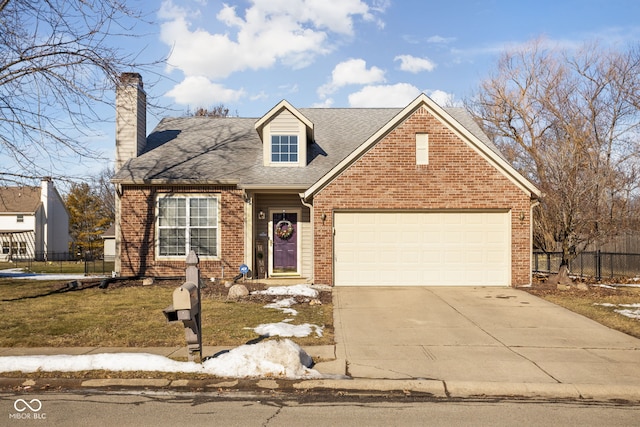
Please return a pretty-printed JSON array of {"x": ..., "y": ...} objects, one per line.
[{"x": 298, "y": 212}]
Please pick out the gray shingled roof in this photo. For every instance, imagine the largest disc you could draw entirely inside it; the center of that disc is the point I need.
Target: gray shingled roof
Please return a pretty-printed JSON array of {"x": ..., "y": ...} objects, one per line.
[
  {"x": 19, "y": 199},
  {"x": 229, "y": 151}
]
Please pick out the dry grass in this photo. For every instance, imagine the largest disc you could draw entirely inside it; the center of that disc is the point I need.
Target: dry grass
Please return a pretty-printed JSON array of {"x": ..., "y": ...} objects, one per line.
[
  {"x": 587, "y": 302},
  {"x": 50, "y": 314}
]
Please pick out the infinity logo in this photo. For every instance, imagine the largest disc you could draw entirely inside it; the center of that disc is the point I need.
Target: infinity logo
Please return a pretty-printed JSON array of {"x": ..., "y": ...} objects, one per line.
[{"x": 21, "y": 405}]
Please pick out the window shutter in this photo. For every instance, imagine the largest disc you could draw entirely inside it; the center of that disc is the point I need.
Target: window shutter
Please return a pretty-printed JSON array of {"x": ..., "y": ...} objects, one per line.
[{"x": 422, "y": 149}]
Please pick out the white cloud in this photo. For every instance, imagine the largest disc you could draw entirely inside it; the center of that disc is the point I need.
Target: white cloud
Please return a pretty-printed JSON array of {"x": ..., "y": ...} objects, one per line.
[
  {"x": 414, "y": 64},
  {"x": 398, "y": 95},
  {"x": 440, "y": 40},
  {"x": 291, "y": 31},
  {"x": 443, "y": 98},
  {"x": 265, "y": 33},
  {"x": 199, "y": 91},
  {"x": 352, "y": 71},
  {"x": 326, "y": 103}
]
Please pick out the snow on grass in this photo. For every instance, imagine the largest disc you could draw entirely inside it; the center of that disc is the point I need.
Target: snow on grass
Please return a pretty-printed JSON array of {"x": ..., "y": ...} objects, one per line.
[
  {"x": 284, "y": 329},
  {"x": 301, "y": 290},
  {"x": 284, "y": 305},
  {"x": 629, "y": 310},
  {"x": 281, "y": 358},
  {"x": 632, "y": 314},
  {"x": 19, "y": 273}
]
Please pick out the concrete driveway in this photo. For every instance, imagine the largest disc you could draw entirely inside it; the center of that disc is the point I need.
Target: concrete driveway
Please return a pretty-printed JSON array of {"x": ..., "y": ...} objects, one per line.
[{"x": 475, "y": 334}]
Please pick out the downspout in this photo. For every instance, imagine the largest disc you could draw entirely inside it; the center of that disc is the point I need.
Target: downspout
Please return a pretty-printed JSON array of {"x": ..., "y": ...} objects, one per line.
[
  {"x": 117, "y": 265},
  {"x": 534, "y": 203},
  {"x": 249, "y": 230},
  {"x": 313, "y": 234}
]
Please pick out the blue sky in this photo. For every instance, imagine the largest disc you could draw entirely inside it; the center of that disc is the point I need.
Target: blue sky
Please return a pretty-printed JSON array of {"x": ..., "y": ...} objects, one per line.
[{"x": 251, "y": 54}]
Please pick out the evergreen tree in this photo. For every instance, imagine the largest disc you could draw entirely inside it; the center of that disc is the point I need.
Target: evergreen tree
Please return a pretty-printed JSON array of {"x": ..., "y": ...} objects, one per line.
[{"x": 89, "y": 218}]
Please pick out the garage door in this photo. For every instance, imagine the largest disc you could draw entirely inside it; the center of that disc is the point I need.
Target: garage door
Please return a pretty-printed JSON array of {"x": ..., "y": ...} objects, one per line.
[{"x": 418, "y": 249}]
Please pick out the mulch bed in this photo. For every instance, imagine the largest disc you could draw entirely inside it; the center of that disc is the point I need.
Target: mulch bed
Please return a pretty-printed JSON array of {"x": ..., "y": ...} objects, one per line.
[{"x": 542, "y": 286}]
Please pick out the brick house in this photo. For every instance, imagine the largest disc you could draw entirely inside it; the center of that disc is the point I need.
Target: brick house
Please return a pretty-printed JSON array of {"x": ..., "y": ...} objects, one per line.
[{"x": 356, "y": 197}]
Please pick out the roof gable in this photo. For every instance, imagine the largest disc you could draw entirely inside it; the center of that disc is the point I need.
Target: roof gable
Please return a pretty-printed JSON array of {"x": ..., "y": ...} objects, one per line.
[
  {"x": 275, "y": 111},
  {"x": 485, "y": 148}
]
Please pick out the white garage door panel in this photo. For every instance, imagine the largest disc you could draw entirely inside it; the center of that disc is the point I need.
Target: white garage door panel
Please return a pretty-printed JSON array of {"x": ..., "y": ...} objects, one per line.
[{"x": 439, "y": 248}]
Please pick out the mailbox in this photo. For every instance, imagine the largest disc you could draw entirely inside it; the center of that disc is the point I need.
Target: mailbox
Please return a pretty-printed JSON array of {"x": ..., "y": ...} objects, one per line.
[
  {"x": 186, "y": 308},
  {"x": 185, "y": 303}
]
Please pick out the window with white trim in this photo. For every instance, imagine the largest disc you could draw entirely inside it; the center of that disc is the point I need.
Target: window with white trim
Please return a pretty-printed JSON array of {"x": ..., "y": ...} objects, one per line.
[
  {"x": 422, "y": 149},
  {"x": 185, "y": 223},
  {"x": 284, "y": 148}
]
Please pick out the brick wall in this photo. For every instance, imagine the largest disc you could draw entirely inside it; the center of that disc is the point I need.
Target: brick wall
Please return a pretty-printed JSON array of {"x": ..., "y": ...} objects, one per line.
[
  {"x": 138, "y": 256},
  {"x": 387, "y": 177}
]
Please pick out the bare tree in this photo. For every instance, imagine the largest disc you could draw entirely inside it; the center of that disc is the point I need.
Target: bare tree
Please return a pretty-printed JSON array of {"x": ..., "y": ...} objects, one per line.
[
  {"x": 219, "y": 110},
  {"x": 105, "y": 191},
  {"x": 569, "y": 122},
  {"x": 58, "y": 60}
]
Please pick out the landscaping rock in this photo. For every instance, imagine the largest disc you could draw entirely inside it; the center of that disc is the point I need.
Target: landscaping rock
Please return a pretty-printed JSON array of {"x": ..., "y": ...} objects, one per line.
[
  {"x": 147, "y": 282},
  {"x": 237, "y": 291}
]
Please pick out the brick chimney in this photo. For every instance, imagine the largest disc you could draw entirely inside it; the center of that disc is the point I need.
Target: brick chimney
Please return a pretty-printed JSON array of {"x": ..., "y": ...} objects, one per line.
[{"x": 131, "y": 118}]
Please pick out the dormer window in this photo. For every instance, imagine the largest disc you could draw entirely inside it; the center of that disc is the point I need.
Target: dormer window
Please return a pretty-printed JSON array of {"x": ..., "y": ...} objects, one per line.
[
  {"x": 285, "y": 134},
  {"x": 284, "y": 148}
]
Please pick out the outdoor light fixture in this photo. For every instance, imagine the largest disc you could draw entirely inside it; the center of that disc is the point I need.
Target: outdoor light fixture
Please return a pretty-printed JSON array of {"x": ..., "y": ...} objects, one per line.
[{"x": 261, "y": 215}]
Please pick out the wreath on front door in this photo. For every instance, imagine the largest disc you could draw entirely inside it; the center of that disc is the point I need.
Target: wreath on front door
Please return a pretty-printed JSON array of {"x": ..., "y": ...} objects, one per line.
[{"x": 284, "y": 229}]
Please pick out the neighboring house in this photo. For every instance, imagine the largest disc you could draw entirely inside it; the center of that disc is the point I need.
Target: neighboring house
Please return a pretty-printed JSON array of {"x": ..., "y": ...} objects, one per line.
[
  {"x": 34, "y": 223},
  {"x": 354, "y": 196},
  {"x": 109, "y": 243}
]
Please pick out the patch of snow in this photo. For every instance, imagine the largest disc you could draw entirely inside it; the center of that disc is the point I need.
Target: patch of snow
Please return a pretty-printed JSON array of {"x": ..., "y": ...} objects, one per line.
[
  {"x": 284, "y": 359},
  {"x": 88, "y": 362},
  {"x": 284, "y": 306},
  {"x": 18, "y": 273},
  {"x": 626, "y": 309},
  {"x": 282, "y": 329},
  {"x": 281, "y": 358},
  {"x": 302, "y": 290},
  {"x": 618, "y": 285},
  {"x": 633, "y": 314}
]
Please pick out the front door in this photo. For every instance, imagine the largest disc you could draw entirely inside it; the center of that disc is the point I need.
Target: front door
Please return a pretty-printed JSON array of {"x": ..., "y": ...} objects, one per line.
[{"x": 284, "y": 229}]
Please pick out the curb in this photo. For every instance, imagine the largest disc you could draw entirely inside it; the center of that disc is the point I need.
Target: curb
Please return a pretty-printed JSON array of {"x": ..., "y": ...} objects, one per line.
[{"x": 431, "y": 389}]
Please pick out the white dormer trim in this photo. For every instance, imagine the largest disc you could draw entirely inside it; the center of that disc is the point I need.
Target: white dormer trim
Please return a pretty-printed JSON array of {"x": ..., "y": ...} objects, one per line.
[{"x": 284, "y": 120}]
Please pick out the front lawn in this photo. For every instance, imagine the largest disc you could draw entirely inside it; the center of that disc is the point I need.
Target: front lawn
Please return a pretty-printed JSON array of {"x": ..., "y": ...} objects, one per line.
[{"x": 127, "y": 314}]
